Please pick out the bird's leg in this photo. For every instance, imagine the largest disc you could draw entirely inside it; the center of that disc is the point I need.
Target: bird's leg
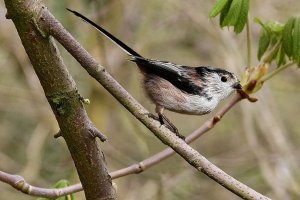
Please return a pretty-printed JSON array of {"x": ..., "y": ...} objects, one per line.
[
  {"x": 162, "y": 118},
  {"x": 157, "y": 118}
]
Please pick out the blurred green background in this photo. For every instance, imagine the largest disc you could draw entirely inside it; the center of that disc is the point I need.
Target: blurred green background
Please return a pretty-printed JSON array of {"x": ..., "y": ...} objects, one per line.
[{"x": 257, "y": 144}]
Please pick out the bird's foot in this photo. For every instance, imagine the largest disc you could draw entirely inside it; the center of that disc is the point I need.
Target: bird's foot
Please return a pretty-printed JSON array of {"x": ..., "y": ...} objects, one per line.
[
  {"x": 152, "y": 116},
  {"x": 179, "y": 135},
  {"x": 166, "y": 122},
  {"x": 172, "y": 128}
]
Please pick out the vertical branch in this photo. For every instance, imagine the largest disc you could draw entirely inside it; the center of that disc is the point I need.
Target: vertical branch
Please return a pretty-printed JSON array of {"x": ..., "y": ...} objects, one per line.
[{"x": 61, "y": 92}]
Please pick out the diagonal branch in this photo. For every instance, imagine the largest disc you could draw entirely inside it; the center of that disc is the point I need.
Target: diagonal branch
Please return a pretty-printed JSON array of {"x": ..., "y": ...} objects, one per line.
[
  {"x": 20, "y": 184},
  {"x": 50, "y": 25}
]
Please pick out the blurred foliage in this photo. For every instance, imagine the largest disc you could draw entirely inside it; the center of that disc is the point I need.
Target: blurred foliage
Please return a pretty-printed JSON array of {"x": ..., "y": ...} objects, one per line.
[{"x": 255, "y": 143}]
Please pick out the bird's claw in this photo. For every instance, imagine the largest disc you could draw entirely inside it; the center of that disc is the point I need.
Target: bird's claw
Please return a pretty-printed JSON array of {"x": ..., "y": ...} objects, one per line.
[
  {"x": 150, "y": 115},
  {"x": 164, "y": 121}
]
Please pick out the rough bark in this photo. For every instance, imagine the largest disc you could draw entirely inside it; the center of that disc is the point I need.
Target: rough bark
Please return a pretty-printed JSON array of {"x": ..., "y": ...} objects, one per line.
[{"x": 62, "y": 94}]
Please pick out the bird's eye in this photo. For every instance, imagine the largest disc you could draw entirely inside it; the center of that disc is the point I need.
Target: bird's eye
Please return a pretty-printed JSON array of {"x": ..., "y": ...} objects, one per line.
[{"x": 224, "y": 79}]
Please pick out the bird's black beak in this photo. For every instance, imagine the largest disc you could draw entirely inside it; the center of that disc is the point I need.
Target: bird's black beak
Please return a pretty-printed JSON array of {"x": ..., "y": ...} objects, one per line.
[{"x": 237, "y": 86}]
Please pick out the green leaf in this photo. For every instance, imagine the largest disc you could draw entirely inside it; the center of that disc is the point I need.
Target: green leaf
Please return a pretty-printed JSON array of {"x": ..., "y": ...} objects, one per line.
[
  {"x": 264, "y": 42},
  {"x": 274, "y": 26},
  {"x": 224, "y": 12},
  {"x": 274, "y": 54},
  {"x": 233, "y": 14},
  {"x": 258, "y": 21},
  {"x": 280, "y": 57},
  {"x": 242, "y": 19},
  {"x": 62, "y": 183},
  {"x": 296, "y": 41},
  {"x": 287, "y": 37},
  {"x": 217, "y": 8}
]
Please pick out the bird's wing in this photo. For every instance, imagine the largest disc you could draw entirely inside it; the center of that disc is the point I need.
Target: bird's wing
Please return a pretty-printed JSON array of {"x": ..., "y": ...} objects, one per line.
[{"x": 180, "y": 76}]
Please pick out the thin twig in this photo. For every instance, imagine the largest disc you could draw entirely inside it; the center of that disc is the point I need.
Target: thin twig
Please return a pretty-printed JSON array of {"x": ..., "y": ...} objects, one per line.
[
  {"x": 20, "y": 184},
  {"x": 166, "y": 153},
  {"x": 132, "y": 169},
  {"x": 276, "y": 71}
]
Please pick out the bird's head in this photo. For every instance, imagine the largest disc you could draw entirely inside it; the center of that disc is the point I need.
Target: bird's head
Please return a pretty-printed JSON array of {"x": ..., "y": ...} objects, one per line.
[{"x": 218, "y": 83}]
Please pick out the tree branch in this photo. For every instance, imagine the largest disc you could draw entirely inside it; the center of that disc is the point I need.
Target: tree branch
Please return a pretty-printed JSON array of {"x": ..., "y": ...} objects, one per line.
[
  {"x": 50, "y": 25},
  {"x": 20, "y": 184},
  {"x": 15, "y": 180},
  {"x": 62, "y": 95},
  {"x": 58, "y": 99}
]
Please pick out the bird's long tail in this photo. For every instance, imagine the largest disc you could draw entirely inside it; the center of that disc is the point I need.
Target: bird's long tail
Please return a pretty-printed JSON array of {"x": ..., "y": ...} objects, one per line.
[{"x": 115, "y": 40}]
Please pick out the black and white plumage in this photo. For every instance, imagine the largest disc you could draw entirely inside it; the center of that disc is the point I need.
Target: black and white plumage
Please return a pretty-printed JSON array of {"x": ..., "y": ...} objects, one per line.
[{"x": 182, "y": 89}]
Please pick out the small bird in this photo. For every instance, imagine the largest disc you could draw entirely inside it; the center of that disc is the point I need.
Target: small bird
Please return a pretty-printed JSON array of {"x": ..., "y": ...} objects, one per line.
[{"x": 178, "y": 88}]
